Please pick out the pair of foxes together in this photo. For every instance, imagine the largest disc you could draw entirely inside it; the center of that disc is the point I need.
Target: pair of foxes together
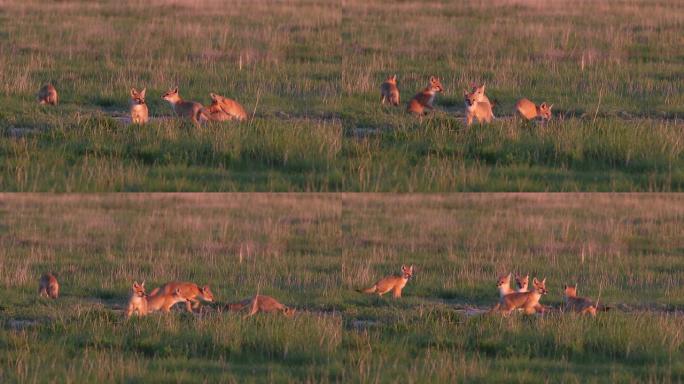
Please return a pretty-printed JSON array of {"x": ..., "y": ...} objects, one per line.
[
  {"x": 478, "y": 106},
  {"x": 220, "y": 109},
  {"x": 528, "y": 299}
]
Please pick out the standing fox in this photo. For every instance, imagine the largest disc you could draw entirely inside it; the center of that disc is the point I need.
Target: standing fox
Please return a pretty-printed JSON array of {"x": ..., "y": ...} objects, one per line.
[
  {"x": 528, "y": 110},
  {"x": 522, "y": 283},
  {"x": 223, "y": 108},
  {"x": 528, "y": 301},
  {"x": 138, "y": 302},
  {"x": 190, "y": 292},
  {"x": 261, "y": 303},
  {"x": 389, "y": 91},
  {"x": 47, "y": 95},
  {"x": 393, "y": 283},
  {"x": 139, "y": 113},
  {"x": 580, "y": 304},
  {"x": 189, "y": 109},
  {"x": 160, "y": 301},
  {"x": 478, "y": 106},
  {"x": 48, "y": 286},
  {"x": 424, "y": 99}
]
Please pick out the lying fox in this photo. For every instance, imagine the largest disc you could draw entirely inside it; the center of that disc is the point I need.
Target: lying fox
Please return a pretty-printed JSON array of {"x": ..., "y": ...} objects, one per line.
[
  {"x": 478, "y": 106},
  {"x": 423, "y": 100},
  {"x": 528, "y": 301},
  {"x": 48, "y": 286},
  {"x": 580, "y": 304},
  {"x": 47, "y": 95},
  {"x": 393, "y": 283},
  {"x": 190, "y": 292},
  {"x": 528, "y": 110},
  {"x": 139, "y": 112},
  {"x": 188, "y": 109},
  {"x": 223, "y": 109},
  {"x": 389, "y": 92},
  {"x": 261, "y": 303}
]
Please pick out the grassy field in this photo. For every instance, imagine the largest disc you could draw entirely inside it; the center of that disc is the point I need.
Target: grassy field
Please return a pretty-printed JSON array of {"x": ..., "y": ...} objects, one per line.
[
  {"x": 309, "y": 72},
  {"x": 311, "y": 251},
  {"x": 612, "y": 69}
]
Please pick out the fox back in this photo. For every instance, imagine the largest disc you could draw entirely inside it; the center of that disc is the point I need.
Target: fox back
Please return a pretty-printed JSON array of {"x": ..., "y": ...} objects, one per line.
[
  {"x": 424, "y": 99},
  {"x": 529, "y": 301},
  {"x": 160, "y": 301},
  {"x": 139, "y": 112},
  {"x": 576, "y": 303},
  {"x": 389, "y": 92},
  {"x": 48, "y": 286},
  {"x": 527, "y": 110},
  {"x": 394, "y": 283},
  {"x": 230, "y": 107},
  {"x": 47, "y": 95}
]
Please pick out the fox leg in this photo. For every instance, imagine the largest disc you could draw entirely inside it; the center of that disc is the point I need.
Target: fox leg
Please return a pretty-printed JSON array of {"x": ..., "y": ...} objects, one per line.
[
  {"x": 396, "y": 292},
  {"x": 591, "y": 310},
  {"x": 382, "y": 99},
  {"x": 469, "y": 120}
]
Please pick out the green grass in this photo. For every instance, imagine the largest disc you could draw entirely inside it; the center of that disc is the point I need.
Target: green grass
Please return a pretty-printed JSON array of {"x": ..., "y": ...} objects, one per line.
[
  {"x": 309, "y": 72},
  {"x": 311, "y": 251}
]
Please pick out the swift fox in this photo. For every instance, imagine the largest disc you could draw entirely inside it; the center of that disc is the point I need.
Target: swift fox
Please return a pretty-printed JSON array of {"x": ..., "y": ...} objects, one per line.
[
  {"x": 48, "y": 286},
  {"x": 160, "y": 301},
  {"x": 528, "y": 110},
  {"x": 522, "y": 283},
  {"x": 139, "y": 113},
  {"x": 528, "y": 301},
  {"x": 580, "y": 304},
  {"x": 138, "y": 301},
  {"x": 231, "y": 109},
  {"x": 504, "y": 286},
  {"x": 478, "y": 106},
  {"x": 190, "y": 109},
  {"x": 424, "y": 99},
  {"x": 261, "y": 303},
  {"x": 190, "y": 292},
  {"x": 393, "y": 283},
  {"x": 47, "y": 95},
  {"x": 389, "y": 91}
]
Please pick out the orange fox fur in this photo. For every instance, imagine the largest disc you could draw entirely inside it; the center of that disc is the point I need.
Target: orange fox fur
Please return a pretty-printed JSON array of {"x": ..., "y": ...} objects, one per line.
[
  {"x": 389, "y": 92},
  {"x": 261, "y": 303},
  {"x": 478, "y": 106},
  {"x": 527, "y": 110},
  {"x": 48, "y": 95},
  {"x": 528, "y": 301},
  {"x": 423, "y": 100},
  {"x": 393, "y": 283},
  {"x": 48, "y": 286},
  {"x": 190, "y": 292}
]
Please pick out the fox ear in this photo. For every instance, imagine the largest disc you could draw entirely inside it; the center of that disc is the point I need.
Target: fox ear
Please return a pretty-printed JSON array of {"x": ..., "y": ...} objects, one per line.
[
  {"x": 544, "y": 281},
  {"x": 142, "y": 93},
  {"x": 550, "y": 106},
  {"x": 543, "y": 106},
  {"x": 482, "y": 88},
  {"x": 175, "y": 90},
  {"x": 535, "y": 281},
  {"x": 142, "y": 285},
  {"x": 411, "y": 268},
  {"x": 133, "y": 91},
  {"x": 394, "y": 77},
  {"x": 432, "y": 79}
]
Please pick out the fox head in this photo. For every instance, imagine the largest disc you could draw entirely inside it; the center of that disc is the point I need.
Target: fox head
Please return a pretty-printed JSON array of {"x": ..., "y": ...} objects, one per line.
[
  {"x": 570, "y": 290},
  {"x": 435, "y": 85},
  {"x": 475, "y": 96},
  {"x": 504, "y": 280},
  {"x": 391, "y": 79},
  {"x": 407, "y": 272},
  {"x": 539, "y": 286},
  {"x": 289, "y": 311},
  {"x": 138, "y": 97},
  {"x": 214, "y": 97},
  {"x": 206, "y": 294},
  {"x": 522, "y": 282},
  {"x": 171, "y": 95},
  {"x": 138, "y": 289},
  {"x": 545, "y": 111}
]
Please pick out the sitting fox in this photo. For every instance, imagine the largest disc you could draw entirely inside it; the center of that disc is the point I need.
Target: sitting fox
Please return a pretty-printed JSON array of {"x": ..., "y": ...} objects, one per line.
[
  {"x": 261, "y": 303},
  {"x": 393, "y": 283},
  {"x": 48, "y": 286},
  {"x": 389, "y": 93}
]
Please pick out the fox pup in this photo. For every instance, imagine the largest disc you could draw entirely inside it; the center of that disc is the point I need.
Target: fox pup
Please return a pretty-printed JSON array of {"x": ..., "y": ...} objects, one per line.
[
  {"x": 231, "y": 108},
  {"x": 261, "y": 303},
  {"x": 478, "y": 106},
  {"x": 160, "y": 301},
  {"x": 48, "y": 286},
  {"x": 503, "y": 284},
  {"x": 190, "y": 292},
  {"x": 393, "y": 283},
  {"x": 424, "y": 99},
  {"x": 522, "y": 283},
  {"x": 139, "y": 113},
  {"x": 389, "y": 91},
  {"x": 189, "y": 109},
  {"x": 528, "y": 110},
  {"x": 528, "y": 301},
  {"x": 47, "y": 95},
  {"x": 138, "y": 302},
  {"x": 580, "y": 304}
]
